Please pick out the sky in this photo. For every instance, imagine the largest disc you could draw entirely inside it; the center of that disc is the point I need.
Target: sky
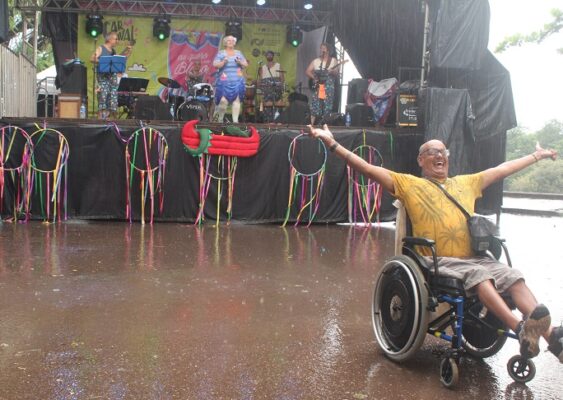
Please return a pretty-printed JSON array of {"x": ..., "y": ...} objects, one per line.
[{"x": 535, "y": 69}]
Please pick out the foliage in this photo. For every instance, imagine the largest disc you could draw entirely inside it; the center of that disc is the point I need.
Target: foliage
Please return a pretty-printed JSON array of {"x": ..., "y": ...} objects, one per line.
[
  {"x": 15, "y": 38},
  {"x": 545, "y": 176},
  {"x": 548, "y": 29}
]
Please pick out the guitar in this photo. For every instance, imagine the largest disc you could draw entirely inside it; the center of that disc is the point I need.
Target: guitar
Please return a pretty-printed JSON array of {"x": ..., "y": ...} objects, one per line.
[{"x": 323, "y": 74}]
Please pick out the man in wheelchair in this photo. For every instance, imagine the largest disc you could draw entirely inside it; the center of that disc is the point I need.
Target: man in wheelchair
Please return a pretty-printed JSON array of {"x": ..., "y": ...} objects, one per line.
[{"x": 436, "y": 217}]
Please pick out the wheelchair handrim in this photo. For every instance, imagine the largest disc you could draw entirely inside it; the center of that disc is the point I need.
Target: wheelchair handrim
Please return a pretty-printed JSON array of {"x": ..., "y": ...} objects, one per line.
[{"x": 419, "y": 311}]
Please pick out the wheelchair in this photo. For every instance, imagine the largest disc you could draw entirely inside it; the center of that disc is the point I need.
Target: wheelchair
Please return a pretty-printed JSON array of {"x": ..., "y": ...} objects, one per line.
[{"x": 408, "y": 289}]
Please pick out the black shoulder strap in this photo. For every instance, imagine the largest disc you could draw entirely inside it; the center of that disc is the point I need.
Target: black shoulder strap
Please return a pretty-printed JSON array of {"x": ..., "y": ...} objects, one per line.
[{"x": 449, "y": 196}]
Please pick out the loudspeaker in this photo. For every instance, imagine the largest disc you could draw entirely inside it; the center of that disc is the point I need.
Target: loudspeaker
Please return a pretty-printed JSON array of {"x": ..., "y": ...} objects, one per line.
[
  {"x": 72, "y": 79},
  {"x": 356, "y": 90},
  {"x": 4, "y": 25},
  {"x": 296, "y": 113},
  {"x": 152, "y": 108},
  {"x": 361, "y": 114},
  {"x": 407, "y": 109}
]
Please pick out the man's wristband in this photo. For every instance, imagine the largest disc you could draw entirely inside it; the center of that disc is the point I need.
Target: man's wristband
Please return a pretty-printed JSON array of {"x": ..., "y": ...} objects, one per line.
[
  {"x": 535, "y": 158},
  {"x": 333, "y": 147}
]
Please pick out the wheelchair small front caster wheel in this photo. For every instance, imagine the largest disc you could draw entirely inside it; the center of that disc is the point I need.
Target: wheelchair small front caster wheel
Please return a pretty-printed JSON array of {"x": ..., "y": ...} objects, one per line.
[
  {"x": 520, "y": 369},
  {"x": 449, "y": 372}
]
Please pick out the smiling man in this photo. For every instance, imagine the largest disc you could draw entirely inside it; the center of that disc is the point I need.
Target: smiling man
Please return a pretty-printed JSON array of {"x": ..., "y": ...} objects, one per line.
[{"x": 436, "y": 217}]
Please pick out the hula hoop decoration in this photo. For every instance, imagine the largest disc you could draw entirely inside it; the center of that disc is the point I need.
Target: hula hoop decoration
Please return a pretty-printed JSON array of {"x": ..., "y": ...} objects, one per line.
[
  {"x": 227, "y": 145},
  {"x": 15, "y": 165},
  {"x": 305, "y": 186},
  {"x": 146, "y": 152},
  {"x": 49, "y": 175},
  {"x": 364, "y": 194}
]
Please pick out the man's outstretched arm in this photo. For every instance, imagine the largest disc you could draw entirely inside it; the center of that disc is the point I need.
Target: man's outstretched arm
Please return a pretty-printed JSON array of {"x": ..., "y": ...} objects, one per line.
[
  {"x": 508, "y": 168},
  {"x": 379, "y": 174}
]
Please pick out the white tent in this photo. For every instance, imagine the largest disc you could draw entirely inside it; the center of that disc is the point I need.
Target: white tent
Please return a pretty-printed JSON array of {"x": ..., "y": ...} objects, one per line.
[{"x": 46, "y": 81}]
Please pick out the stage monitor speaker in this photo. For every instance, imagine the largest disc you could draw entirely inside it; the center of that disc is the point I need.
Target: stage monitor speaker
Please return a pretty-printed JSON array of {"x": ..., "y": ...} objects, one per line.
[
  {"x": 407, "y": 108},
  {"x": 4, "y": 25},
  {"x": 356, "y": 90},
  {"x": 152, "y": 108},
  {"x": 72, "y": 79},
  {"x": 296, "y": 113},
  {"x": 361, "y": 114}
]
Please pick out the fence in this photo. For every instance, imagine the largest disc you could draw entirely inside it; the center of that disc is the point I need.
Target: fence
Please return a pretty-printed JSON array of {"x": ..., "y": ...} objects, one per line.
[{"x": 17, "y": 85}]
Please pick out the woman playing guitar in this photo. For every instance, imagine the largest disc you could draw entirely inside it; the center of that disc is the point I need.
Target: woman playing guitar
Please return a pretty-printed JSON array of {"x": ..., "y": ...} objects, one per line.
[{"x": 321, "y": 73}]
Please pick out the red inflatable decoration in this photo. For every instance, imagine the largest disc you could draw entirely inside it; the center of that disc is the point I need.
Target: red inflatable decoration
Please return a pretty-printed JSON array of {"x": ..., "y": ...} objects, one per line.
[{"x": 199, "y": 141}]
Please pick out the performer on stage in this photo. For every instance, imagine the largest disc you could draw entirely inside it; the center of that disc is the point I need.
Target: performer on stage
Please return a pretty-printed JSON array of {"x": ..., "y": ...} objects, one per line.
[
  {"x": 270, "y": 80},
  {"x": 321, "y": 73},
  {"x": 230, "y": 83},
  {"x": 194, "y": 76},
  {"x": 108, "y": 82}
]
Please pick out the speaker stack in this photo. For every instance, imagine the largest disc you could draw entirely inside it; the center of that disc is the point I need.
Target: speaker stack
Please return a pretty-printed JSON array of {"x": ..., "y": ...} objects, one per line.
[{"x": 152, "y": 108}]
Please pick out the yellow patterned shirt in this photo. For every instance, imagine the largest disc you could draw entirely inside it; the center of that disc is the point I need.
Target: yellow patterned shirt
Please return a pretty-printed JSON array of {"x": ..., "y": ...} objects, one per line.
[{"x": 436, "y": 217}]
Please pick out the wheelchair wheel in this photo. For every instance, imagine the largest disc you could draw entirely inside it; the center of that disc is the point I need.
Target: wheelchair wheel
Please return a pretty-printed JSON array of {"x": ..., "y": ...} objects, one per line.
[
  {"x": 480, "y": 335},
  {"x": 449, "y": 372},
  {"x": 520, "y": 369},
  {"x": 399, "y": 313}
]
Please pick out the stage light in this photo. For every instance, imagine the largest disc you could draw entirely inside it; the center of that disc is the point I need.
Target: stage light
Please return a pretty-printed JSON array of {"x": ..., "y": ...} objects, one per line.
[
  {"x": 161, "y": 27},
  {"x": 94, "y": 25},
  {"x": 294, "y": 35},
  {"x": 233, "y": 27},
  {"x": 260, "y": 2},
  {"x": 308, "y": 5},
  {"x": 215, "y": 1}
]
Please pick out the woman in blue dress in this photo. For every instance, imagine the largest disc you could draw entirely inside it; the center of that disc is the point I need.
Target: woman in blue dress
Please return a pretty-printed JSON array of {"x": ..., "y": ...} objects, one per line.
[{"x": 230, "y": 84}]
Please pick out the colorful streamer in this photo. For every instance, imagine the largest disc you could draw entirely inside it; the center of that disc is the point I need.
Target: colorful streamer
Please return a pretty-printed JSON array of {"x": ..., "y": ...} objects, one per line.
[
  {"x": 225, "y": 167},
  {"x": 146, "y": 152},
  {"x": 364, "y": 194},
  {"x": 305, "y": 186},
  {"x": 15, "y": 156},
  {"x": 49, "y": 174}
]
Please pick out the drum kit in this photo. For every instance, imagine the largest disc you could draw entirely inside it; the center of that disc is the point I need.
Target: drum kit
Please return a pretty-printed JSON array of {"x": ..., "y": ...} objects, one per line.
[{"x": 196, "y": 105}]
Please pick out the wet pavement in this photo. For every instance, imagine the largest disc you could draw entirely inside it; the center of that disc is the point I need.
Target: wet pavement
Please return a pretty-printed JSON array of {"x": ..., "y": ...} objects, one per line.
[{"x": 95, "y": 310}]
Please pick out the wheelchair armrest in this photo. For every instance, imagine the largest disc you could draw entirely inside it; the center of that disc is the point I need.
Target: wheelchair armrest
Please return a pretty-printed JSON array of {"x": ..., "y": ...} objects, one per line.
[{"x": 418, "y": 241}]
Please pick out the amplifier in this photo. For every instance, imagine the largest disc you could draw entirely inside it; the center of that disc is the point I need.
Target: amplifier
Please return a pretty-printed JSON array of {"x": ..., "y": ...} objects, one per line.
[
  {"x": 152, "y": 108},
  {"x": 357, "y": 89},
  {"x": 407, "y": 107},
  {"x": 361, "y": 114}
]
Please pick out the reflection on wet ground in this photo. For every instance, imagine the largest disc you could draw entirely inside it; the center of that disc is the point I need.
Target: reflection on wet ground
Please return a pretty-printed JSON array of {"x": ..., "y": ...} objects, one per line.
[{"x": 94, "y": 310}]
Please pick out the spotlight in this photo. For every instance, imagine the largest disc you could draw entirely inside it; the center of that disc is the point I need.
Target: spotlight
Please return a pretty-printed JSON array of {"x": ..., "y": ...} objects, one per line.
[
  {"x": 161, "y": 27},
  {"x": 308, "y": 5},
  {"x": 260, "y": 2},
  {"x": 233, "y": 27},
  {"x": 294, "y": 35},
  {"x": 94, "y": 25},
  {"x": 215, "y": 1}
]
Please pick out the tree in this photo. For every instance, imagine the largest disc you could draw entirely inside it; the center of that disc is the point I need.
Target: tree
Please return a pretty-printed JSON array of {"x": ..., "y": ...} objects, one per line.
[
  {"x": 16, "y": 37},
  {"x": 548, "y": 29},
  {"x": 545, "y": 177}
]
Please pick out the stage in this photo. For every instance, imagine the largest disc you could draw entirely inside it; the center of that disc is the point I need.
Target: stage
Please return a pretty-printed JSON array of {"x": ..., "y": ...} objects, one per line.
[{"x": 97, "y": 178}]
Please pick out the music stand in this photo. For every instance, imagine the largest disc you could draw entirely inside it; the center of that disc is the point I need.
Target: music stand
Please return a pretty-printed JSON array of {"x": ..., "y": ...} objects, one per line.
[
  {"x": 131, "y": 86},
  {"x": 111, "y": 64}
]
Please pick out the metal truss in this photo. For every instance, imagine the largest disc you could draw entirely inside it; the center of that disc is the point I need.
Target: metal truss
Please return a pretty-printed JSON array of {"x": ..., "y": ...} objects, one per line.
[{"x": 179, "y": 9}]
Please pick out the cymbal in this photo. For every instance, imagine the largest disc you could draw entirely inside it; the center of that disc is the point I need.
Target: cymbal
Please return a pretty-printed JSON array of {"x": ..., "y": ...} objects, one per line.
[{"x": 170, "y": 83}]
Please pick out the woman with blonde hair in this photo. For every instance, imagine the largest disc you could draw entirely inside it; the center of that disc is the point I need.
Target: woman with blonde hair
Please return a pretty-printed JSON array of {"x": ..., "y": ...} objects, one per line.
[{"x": 230, "y": 84}]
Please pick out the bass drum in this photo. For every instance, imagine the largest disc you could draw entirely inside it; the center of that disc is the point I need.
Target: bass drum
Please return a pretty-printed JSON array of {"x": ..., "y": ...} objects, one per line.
[{"x": 191, "y": 110}]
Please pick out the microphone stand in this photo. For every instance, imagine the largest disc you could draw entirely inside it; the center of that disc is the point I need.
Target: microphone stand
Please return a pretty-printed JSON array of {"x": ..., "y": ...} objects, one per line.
[
  {"x": 94, "y": 79},
  {"x": 256, "y": 109}
]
